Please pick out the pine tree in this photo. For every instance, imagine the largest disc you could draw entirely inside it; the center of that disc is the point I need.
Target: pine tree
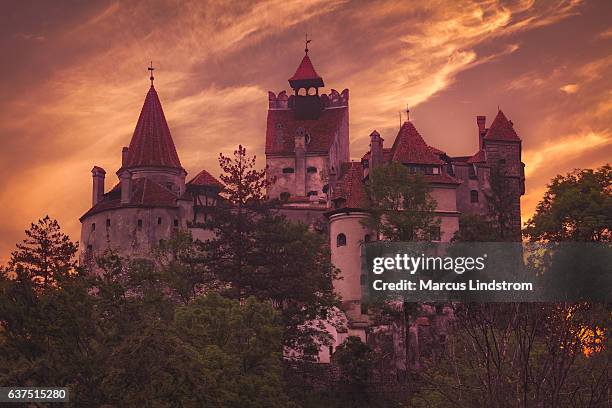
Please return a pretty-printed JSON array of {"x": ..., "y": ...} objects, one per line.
[{"x": 45, "y": 256}]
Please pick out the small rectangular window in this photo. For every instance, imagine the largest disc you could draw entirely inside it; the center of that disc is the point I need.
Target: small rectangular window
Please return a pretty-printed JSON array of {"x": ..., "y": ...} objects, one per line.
[
  {"x": 139, "y": 224},
  {"x": 93, "y": 226},
  {"x": 108, "y": 222},
  {"x": 176, "y": 223},
  {"x": 287, "y": 170},
  {"x": 159, "y": 220},
  {"x": 474, "y": 196}
]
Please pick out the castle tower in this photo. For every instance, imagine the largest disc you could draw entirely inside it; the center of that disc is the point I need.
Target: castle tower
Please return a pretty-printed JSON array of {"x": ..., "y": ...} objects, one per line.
[
  {"x": 151, "y": 201},
  {"x": 502, "y": 147},
  {"x": 307, "y": 138},
  {"x": 151, "y": 153}
]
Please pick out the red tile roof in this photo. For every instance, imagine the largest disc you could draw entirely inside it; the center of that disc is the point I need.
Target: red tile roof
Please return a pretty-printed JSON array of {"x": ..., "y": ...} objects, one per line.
[
  {"x": 351, "y": 187},
  {"x": 409, "y": 147},
  {"x": 306, "y": 73},
  {"x": 145, "y": 193},
  {"x": 501, "y": 129},
  {"x": 204, "y": 178},
  {"x": 282, "y": 128},
  {"x": 442, "y": 178},
  {"x": 152, "y": 143},
  {"x": 478, "y": 157}
]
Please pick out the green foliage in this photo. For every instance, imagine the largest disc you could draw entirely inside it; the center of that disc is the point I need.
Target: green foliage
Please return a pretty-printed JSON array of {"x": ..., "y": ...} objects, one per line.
[
  {"x": 500, "y": 199},
  {"x": 475, "y": 228},
  {"x": 576, "y": 207},
  {"x": 400, "y": 203},
  {"x": 121, "y": 338},
  {"x": 257, "y": 252},
  {"x": 355, "y": 360}
]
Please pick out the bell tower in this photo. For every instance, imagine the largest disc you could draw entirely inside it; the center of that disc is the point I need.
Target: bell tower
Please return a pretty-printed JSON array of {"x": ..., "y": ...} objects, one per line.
[{"x": 305, "y": 83}]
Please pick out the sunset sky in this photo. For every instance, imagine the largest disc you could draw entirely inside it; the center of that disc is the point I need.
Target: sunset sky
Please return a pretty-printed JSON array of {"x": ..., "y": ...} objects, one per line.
[{"x": 74, "y": 77}]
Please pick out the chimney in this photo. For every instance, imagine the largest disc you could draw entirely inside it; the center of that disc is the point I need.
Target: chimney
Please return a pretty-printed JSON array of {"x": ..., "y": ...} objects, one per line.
[
  {"x": 126, "y": 186},
  {"x": 376, "y": 150},
  {"x": 480, "y": 121},
  {"x": 97, "y": 174},
  {"x": 124, "y": 156}
]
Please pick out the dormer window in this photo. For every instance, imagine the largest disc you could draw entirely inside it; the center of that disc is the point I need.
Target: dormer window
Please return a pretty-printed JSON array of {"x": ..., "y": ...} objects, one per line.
[
  {"x": 472, "y": 172},
  {"x": 288, "y": 170}
]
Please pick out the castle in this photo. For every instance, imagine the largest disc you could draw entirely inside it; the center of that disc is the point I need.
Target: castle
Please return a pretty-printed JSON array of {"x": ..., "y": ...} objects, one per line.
[{"x": 308, "y": 167}]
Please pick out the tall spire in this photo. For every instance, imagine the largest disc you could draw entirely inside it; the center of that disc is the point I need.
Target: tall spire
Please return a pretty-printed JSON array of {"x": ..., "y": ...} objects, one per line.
[{"x": 152, "y": 143}]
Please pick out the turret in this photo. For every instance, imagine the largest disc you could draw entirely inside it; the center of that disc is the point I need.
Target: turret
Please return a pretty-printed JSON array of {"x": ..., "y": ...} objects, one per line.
[
  {"x": 306, "y": 83},
  {"x": 376, "y": 150}
]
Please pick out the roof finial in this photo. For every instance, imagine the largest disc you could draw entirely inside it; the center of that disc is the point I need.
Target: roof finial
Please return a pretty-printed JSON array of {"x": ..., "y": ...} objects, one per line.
[
  {"x": 151, "y": 69},
  {"x": 307, "y": 41},
  {"x": 407, "y": 113}
]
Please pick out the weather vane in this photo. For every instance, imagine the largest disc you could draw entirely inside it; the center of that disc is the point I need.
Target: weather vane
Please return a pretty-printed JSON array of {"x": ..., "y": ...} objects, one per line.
[
  {"x": 151, "y": 69},
  {"x": 307, "y": 41}
]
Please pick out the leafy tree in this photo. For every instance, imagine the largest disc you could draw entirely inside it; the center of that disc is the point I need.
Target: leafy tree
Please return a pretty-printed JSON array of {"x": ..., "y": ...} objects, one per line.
[
  {"x": 355, "y": 359},
  {"x": 401, "y": 206},
  {"x": 475, "y": 228},
  {"x": 45, "y": 313},
  {"x": 182, "y": 266},
  {"x": 255, "y": 251},
  {"x": 576, "y": 207},
  {"x": 500, "y": 199}
]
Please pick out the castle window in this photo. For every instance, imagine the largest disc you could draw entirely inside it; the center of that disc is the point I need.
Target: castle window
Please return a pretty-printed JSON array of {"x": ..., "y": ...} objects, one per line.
[
  {"x": 364, "y": 308},
  {"x": 326, "y": 188},
  {"x": 89, "y": 248},
  {"x": 93, "y": 226},
  {"x": 367, "y": 238},
  {"x": 288, "y": 170},
  {"x": 341, "y": 240},
  {"x": 108, "y": 222},
  {"x": 435, "y": 234},
  {"x": 311, "y": 169},
  {"x": 472, "y": 171},
  {"x": 474, "y": 196},
  {"x": 176, "y": 223},
  {"x": 284, "y": 197},
  {"x": 312, "y": 193},
  {"x": 139, "y": 224},
  {"x": 159, "y": 220}
]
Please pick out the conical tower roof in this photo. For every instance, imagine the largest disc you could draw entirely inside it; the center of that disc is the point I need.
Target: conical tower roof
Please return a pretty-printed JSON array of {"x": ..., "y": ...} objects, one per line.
[
  {"x": 501, "y": 129},
  {"x": 305, "y": 75},
  {"x": 152, "y": 144}
]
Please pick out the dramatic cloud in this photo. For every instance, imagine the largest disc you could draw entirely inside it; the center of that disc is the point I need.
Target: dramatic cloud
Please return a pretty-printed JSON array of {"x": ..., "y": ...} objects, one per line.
[{"x": 76, "y": 79}]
